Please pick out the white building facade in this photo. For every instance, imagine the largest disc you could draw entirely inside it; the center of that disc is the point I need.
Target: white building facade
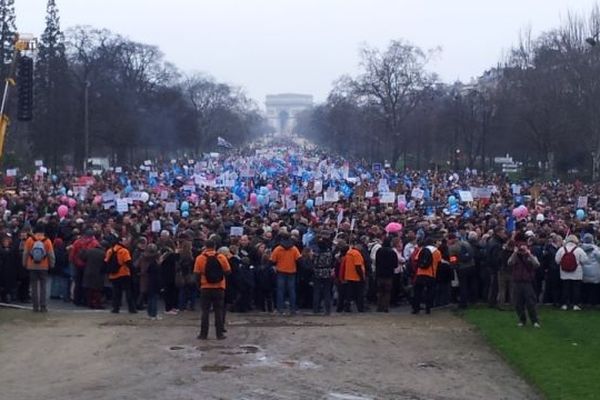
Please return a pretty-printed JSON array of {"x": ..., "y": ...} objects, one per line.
[{"x": 283, "y": 109}]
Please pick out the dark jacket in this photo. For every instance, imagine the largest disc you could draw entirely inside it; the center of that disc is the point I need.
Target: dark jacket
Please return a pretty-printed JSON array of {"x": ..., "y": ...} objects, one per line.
[
  {"x": 154, "y": 277},
  {"x": 386, "y": 260},
  {"x": 493, "y": 253},
  {"x": 523, "y": 267},
  {"x": 93, "y": 278}
]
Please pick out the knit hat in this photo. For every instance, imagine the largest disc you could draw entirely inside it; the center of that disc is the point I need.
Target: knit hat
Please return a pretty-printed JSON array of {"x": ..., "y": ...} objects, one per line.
[
  {"x": 588, "y": 238},
  {"x": 572, "y": 239}
]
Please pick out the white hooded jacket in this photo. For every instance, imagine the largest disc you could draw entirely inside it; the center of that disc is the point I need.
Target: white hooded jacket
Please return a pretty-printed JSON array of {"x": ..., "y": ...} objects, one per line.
[{"x": 581, "y": 257}]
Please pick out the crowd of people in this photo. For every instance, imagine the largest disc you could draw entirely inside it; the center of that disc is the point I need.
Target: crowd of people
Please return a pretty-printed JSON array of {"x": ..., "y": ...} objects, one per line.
[{"x": 278, "y": 227}]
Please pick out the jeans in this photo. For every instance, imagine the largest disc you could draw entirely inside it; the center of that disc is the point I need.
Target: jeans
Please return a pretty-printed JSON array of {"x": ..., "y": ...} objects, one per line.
[
  {"x": 571, "y": 292},
  {"x": 349, "y": 291},
  {"x": 322, "y": 292},
  {"x": 152, "y": 304},
  {"x": 170, "y": 296},
  {"x": 552, "y": 292},
  {"x": 187, "y": 295},
  {"x": 121, "y": 285},
  {"x": 524, "y": 297},
  {"x": 216, "y": 299},
  {"x": 286, "y": 282},
  {"x": 384, "y": 289},
  {"x": 465, "y": 284},
  {"x": 38, "y": 281},
  {"x": 60, "y": 287}
]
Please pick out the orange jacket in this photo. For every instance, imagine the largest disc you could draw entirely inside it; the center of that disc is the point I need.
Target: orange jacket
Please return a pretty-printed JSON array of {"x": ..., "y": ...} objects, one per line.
[{"x": 47, "y": 262}]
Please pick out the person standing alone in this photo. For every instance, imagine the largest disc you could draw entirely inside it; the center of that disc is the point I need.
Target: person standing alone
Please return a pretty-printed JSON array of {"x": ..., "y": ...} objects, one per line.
[{"x": 211, "y": 269}]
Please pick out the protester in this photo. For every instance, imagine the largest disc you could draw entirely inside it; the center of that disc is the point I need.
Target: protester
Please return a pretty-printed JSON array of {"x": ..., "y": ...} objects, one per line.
[
  {"x": 427, "y": 260},
  {"x": 118, "y": 260},
  {"x": 571, "y": 258},
  {"x": 591, "y": 271},
  {"x": 523, "y": 265},
  {"x": 386, "y": 261},
  {"x": 211, "y": 269},
  {"x": 285, "y": 258}
]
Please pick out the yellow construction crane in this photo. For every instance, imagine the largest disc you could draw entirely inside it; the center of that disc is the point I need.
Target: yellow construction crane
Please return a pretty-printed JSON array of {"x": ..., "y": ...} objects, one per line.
[{"x": 23, "y": 43}]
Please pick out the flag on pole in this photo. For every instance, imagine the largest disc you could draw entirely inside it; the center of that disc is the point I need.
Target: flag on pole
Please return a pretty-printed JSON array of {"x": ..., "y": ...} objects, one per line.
[{"x": 223, "y": 143}]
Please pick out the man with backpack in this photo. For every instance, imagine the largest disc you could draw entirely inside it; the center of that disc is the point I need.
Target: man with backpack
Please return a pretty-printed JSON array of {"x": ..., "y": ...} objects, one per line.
[
  {"x": 571, "y": 258},
  {"x": 211, "y": 268},
  {"x": 118, "y": 266},
  {"x": 462, "y": 260},
  {"x": 427, "y": 260},
  {"x": 38, "y": 258}
]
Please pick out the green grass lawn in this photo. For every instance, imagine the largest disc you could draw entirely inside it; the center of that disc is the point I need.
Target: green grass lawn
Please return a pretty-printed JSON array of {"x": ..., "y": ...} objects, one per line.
[{"x": 562, "y": 358}]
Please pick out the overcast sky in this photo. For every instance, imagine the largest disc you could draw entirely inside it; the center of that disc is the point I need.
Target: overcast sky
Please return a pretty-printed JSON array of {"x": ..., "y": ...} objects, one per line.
[{"x": 302, "y": 46}]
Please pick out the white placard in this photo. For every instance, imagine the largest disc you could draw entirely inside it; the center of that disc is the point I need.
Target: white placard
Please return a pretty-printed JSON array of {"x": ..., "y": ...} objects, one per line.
[
  {"x": 402, "y": 198},
  {"x": 11, "y": 172},
  {"x": 516, "y": 189},
  {"x": 417, "y": 193},
  {"x": 318, "y": 186},
  {"x": 43, "y": 170},
  {"x": 39, "y": 163},
  {"x": 119, "y": 170},
  {"x": 387, "y": 198},
  {"x": 318, "y": 201},
  {"x": 153, "y": 175},
  {"x": 331, "y": 196},
  {"x": 164, "y": 195},
  {"x": 147, "y": 163},
  {"x": 171, "y": 207},
  {"x": 352, "y": 224},
  {"x": 465, "y": 196},
  {"x": 122, "y": 205},
  {"x": 236, "y": 231},
  {"x": 289, "y": 204},
  {"x": 582, "y": 202},
  {"x": 156, "y": 226}
]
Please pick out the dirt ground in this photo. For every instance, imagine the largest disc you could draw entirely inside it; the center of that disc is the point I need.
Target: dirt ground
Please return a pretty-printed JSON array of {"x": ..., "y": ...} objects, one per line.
[{"x": 87, "y": 356}]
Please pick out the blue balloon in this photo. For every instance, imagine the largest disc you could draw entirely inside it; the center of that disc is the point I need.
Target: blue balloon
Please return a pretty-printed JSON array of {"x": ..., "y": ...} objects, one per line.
[
  {"x": 264, "y": 191},
  {"x": 580, "y": 214},
  {"x": 261, "y": 199},
  {"x": 451, "y": 200},
  {"x": 310, "y": 204},
  {"x": 230, "y": 203},
  {"x": 185, "y": 206},
  {"x": 185, "y": 214}
]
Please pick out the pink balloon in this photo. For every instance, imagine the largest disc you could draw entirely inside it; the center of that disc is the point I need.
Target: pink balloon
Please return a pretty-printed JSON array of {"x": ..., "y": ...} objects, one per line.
[
  {"x": 97, "y": 200},
  {"x": 64, "y": 199},
  {"x": 401, "y": 206},
  {"x": 63, "y": 211},
  {"x": 3, "y": 203},
  {"x": 253, "y": 198},
  {"x": 288, "y": 191},
  {"x": 72, "y": 203},
  {"x": 270, "y": 186}
]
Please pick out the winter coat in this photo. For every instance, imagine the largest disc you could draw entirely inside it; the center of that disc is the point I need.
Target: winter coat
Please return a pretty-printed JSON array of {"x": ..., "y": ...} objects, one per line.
[
  {"x": 581, "y": 257},
  {"x": 523, "y": 268},
  {"x": 10, "y": 264},
  {"x": 386, "y": 261},
  {"x": 492, "y": 251},
  {"x": 93, "y": 278},
  {"x": 591, "y": 268}
]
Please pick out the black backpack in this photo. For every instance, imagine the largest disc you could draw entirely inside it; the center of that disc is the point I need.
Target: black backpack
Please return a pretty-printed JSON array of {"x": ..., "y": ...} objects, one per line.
[
  {"x": 213, "y": 270},
  {"x": 112, "y": 265},
  {"x": 425, "y": 258}
]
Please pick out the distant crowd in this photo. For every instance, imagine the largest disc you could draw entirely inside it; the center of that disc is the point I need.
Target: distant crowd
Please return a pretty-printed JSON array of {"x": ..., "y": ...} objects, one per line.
[{"x": 279, "y": 227}]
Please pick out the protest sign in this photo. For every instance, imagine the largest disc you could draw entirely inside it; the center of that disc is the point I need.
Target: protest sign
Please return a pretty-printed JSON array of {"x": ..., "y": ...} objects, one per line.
[
  {"x": 417, "y": 193},
  {"x": 170, "y": 207},
  {"x": 387, "y": 198},
  {"x": 465, "y": 196},
  {"x": 236, "y": 231}
]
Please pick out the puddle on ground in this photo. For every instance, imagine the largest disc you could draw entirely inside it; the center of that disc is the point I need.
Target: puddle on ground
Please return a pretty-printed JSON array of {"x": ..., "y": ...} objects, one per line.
[
  {"x": 428, "y": 364},
  {"x": 215, "y": 368},
  {"x": 342, "y": 396}
]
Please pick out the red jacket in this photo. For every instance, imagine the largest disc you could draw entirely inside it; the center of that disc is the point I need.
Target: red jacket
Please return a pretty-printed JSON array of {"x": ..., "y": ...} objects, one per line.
[{"x": 80, "y": 244}]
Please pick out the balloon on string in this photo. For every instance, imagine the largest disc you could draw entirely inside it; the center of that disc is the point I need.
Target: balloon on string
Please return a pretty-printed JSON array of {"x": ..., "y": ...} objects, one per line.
[
  {"x": 288, "y": 191},
  {"x": 260, "y": 199},
  {"x": 63, "y": 211},
  {"x": 253, "y": 198},
  {"x": 72, "y": 203},
  {"x": 230, "y": 203},
  {"x": 580, "y": 214},
  {"x": 144, "y": 197},
  {"x": 270, "y": 186},
  {"x": 70, "y": 193},
  {"x": 402, "y": 206},
  {"x": 540, "y": 217},
  {"x": 64, "y": 199},
  {"x": 185, "y": 214},
  {"x": 264, "y": 191},
  {"x": 185, "y": 206},
  {"x": 310, "y": 204},
  {"x": 97, "y": 200},
  {"x": 451, "y": 200}
]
